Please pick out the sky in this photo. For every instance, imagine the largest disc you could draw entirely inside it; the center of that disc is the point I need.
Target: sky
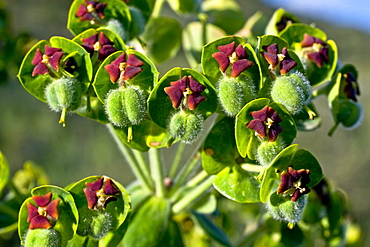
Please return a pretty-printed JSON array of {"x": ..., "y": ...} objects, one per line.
[{"x": 349, "y": 13}]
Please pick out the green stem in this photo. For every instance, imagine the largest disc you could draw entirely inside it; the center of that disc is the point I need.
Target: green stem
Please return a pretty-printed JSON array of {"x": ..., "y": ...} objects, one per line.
[
  {"x": 62, "y": 119},
  {"x": 8, "y": 210},
  {"x": 332, "y": 130},
  {"x": 18, "y": 195},
  {"x": 177, "y": 159},
  {"x": 197, "y": 179},
  {"x": 184, "y": 174},
  {"x": 143, "y": 166},
  {"x": 252, "y": 168},
  {"x": 158, "y": 8},
  {"x": 203, "y": 19},
  {"x": 127, "y": 153},
  {"x": 190, "y": 198},
  {"x": 156, "y": 167}
]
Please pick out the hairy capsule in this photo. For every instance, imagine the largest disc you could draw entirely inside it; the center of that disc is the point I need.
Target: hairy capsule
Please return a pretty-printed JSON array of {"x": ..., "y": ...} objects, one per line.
[{"x": 186, "y": 125}]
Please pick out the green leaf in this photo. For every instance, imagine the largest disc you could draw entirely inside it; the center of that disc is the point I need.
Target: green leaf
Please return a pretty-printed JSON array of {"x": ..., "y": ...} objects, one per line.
[
  {"x": 160, "y": 104},
  {"x": 184, "y": 6},
  {"x": 294, "y": 34},
  {"x": 4, "y": 172},
  {"x": 193, "y": 40},
  {"x": 163, "y": 38},
  {"x": 155, "y": 213},
  {"x": 290, "y": 157},
  {"x": 227, "y": 14},
  {"x": 117, "y": 210},
  {"x": 219, "y": 149},
  {"x": 270, "y": 175},
  {"x": 237, "y": 184},
  {"x": 246, "y": 140},
  {"x": 206, "y": 205},
  {"x": 91, "y": 107},
  {"x": 172, "y": 237},
  {"x": 280, "y": 15},
  {"x": 36, "y": 85},
  {"x": 115, "y": 10},
  {"x": 213, "y": 230},
  {"x": 66, "y": 223}
]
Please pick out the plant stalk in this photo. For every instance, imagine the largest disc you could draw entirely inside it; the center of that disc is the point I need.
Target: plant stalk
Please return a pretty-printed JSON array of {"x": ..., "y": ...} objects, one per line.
[
  {"x": 177, "y": 159},
  {"x": 190, "y": 198},
  {"x": 157, "y": 167},
  {"x": 127, "y": 153}
]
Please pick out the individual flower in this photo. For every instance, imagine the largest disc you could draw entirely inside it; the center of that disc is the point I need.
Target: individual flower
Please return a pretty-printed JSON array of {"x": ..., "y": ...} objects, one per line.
[
  {"x": 294, "y": 183},
  {"x": 70, "y": 65},
  {"x": 351, "y": 88},
  {"x": 316, "y": 50},
  {"x": 43, "y": 62},
  {"x": 284, "y": 22},
  {"x": 100, "y": 193},
  {"x": 91, "y": 11},
  {"x": 266, "y": 123},
  {"x": 45, "y": 214},
  {"x": 274, "y": 58},
  {"x": 186, "y": 90},
  {"x": 237, "y": 57},
  {"x": 122, "y": 70},
  {"x": 99, "y": 43}
]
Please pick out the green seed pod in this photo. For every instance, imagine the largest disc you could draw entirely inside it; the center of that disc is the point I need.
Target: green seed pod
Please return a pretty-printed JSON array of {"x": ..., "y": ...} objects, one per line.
[
  {"x": 134, "y": 103},
  {"x": 267, "y": 151},
  {"x": 292, "y": 90},
  {"x": 350, "y": 113},
  {"x": 100, "y": 226},
  {"x": 234, "y": 93},
  {"x": 43, "y": 237},
  {"x": 115, "y": 110},
  {"x": 65, "y": 93},
  {"x": 186, "y": 125},
  {"x": 288, "y": 211}
]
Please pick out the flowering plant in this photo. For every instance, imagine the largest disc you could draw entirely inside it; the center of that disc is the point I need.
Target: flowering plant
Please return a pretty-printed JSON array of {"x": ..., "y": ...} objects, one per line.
[{"x": 239, "y": 105}]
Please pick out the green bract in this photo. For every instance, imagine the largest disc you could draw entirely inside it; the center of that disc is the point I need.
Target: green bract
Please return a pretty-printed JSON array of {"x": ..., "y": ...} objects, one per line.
[
  {"x": 116, "y": 17},
  {"x": 36, "y": 85},
  {"x": 98, "y": 222},
  {"x": 66, "y": 223}
]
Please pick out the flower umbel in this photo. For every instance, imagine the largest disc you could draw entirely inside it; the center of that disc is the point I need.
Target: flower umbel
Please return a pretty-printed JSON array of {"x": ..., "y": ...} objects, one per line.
[
  {"x": 100, "y": 193},
  {"x": 351, "y": 88},
  {"x": 49, "y": 60},
  {"x": 266, "y": 123},
  {"x": 91, "y": 11},
  {"x": 122, "y": 70},
  {"x": 274, "y": 58},
  {"x": 99, "y": 43},
  {"x": 186, "y": 90},
  {"x": 294, "y": 183},
  {"x": 315, "y": 49},
  {"x": 45, "y": 214},
  {"x": 237, "y": 57}
]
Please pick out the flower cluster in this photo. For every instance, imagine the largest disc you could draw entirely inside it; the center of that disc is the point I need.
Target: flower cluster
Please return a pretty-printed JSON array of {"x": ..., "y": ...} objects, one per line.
[
  {"x": 266, "y": 123},
  {"x": 43, "y": 62},
  {"x": 91, "y": 11},
  {"x": 45, "y": 214},
  {"x": 100, "y": 193},
  {"x": 99, "y": 43},
  {"x": 187, "y": 89},
  {"x": 122, "y": 70},
  {"x": 294, "y": 183},
  {"x": 237, "y": 57},
  {"x": 274, "y": 58},
  {"x": 317, "y": 50}
]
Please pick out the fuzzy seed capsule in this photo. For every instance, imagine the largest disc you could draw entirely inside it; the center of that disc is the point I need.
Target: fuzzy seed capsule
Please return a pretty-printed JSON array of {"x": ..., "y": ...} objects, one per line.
[
  {"x": 267, "y": 151},
  {"x": 65, "y": 93},
  {"x": 292, "y": 90},
  {"x": 126, "y": 106},
  {"x": 186, "y": 125},
  {"x": 100, "y": 226},
  {"x": 289, "y": 211},
  {"x": 43, "y": 237},
  {"x": 234, "y": 93}
]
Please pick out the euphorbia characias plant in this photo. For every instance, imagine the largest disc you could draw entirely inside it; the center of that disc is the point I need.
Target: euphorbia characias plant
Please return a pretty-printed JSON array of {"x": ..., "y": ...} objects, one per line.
[{"x": 240, "y": 105}]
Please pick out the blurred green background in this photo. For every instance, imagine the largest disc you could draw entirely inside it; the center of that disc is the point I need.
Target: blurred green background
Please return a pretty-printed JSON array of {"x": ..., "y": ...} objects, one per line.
[{"x": 30, "y": 131}]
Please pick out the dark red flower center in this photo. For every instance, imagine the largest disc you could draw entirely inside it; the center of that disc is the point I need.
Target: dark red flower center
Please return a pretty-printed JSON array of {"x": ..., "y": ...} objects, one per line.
[{"x": 294, "y": 183}]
